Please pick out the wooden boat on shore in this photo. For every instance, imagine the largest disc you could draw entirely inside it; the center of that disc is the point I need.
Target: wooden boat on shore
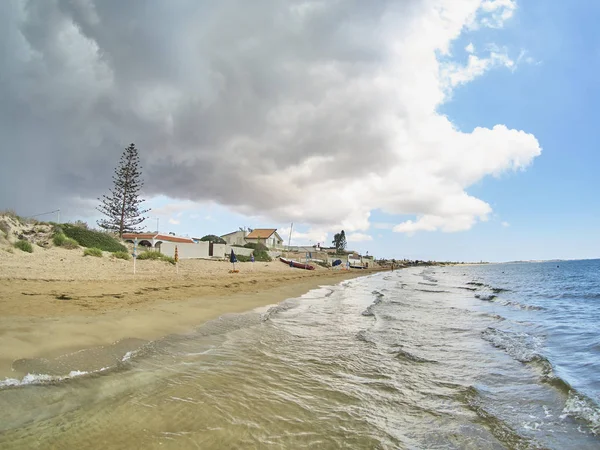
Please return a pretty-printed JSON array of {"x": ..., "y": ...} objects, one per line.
[{"x": 296, "y": 264}]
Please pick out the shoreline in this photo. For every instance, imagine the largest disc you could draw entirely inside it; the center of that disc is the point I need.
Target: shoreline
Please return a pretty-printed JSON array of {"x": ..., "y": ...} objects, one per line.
[{"x": 47, "y": 317}]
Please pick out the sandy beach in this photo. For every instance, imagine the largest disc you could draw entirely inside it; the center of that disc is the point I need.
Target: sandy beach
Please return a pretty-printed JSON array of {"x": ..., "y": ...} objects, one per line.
[{"x": 56, "y": 301}]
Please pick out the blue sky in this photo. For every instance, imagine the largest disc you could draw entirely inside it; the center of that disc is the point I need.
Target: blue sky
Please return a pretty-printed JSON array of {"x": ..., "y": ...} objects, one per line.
[{"x": 447, "y": 130}]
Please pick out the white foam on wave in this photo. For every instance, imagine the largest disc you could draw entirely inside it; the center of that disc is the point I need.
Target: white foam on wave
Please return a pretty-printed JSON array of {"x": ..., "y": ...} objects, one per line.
[
  {"x": 521, "y": 346},
  {"x": 42, "y": 378},
  {"x": 580, "y": 407}
]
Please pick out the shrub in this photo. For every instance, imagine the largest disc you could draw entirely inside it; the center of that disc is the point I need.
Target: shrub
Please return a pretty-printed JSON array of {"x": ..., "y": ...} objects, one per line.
[
  {"x": 122, "y": 255},
  {"x": 213, "y": 238},
  {"x": 156, "y": 256},
  {"x": 92, "y": 252},
  {"x": 81, "y": 224},
  {"x": 261, "y": 255},
  {"x": 242, "y": 258},
  {"x": 24, "y": 245},
  {"x": 70, "y": 244},
  {"x": 92, "y": 238},
  {"x": 257, "y": 246},
  {"x": 59, "y": 239}
]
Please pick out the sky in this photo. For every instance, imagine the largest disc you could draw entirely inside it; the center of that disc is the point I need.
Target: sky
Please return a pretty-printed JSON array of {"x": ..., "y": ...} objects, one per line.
[{"x": 459, "y": 130}]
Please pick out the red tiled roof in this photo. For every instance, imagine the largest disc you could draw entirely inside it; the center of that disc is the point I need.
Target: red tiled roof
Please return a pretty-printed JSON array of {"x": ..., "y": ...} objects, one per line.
[{"x": 261, "y": 233}]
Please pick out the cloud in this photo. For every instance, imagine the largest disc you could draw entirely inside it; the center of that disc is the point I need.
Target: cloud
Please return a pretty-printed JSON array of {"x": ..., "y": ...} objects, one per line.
[
  {"x": 306, "y": 111},
  {"x": 175, "y": 208},
  {"x": 311, "y": 236},
  {"x": 358, "y": 237},
  {"x": 174, "y": 221},
  {"x": 470, "y": 48},
  {"x": 505, "y": 224},
  {"x": 382, "y": 225}
]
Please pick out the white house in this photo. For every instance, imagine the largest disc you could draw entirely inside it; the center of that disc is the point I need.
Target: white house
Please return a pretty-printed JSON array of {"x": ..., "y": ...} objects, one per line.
[{"x": 266, "y": 236}]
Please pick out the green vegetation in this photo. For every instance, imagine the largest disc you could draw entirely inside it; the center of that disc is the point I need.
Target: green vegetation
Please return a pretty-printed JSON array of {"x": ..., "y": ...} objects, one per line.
[
  {"x": 122, "y": 255},
  {"x": 157, "y": 256},
  {"x": 24, "y": 245},
  {"x": 242, "y": 258},
  {"x": 90, "y": 238},
  {"x": 61, "y": 240},
  {"x": 92, "y": 252},
  {"x": 261, "y": 255},
  {"x": 260, "y": 247},
  {"x": 213, "y": 238}
]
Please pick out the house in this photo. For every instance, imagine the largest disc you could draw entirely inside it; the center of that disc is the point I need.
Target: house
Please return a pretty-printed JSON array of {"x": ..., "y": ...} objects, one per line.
[
  {"x": 235, "y": 237},
  {"x": 266, "y": 236},
  {"x": 154, "y": 240},
  {"x": 187, "y": 248}
]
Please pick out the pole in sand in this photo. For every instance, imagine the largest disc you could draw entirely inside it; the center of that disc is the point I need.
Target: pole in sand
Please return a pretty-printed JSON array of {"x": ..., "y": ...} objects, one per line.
[
  {"x": 176, "y": 260},
  {"x": 134, "y": 253}
]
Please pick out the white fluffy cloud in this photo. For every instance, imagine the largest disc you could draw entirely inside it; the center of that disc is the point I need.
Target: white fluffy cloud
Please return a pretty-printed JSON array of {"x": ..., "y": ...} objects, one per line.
[
  {"x": 308, "y": 111},
  {"x": 358, "y": 237}
]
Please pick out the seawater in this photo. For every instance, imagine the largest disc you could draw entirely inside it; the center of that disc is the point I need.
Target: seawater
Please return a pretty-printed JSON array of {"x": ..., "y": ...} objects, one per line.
[{"x": 485, "y": 356}]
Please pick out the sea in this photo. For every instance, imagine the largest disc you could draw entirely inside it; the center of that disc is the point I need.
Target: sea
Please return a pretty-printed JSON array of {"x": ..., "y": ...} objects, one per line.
[{"x": 491, "y": 356}]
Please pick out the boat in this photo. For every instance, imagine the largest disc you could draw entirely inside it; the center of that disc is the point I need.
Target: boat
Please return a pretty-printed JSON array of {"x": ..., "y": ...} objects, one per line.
[{"x": 296, "y": 264}]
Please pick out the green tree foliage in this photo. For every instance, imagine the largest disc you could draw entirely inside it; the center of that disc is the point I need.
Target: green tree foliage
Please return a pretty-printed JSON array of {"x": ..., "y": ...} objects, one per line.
[
  {"x": 213, "y": 238},
  {"x": 339, "y": 241},
  {"x": 122, "y": 206}
]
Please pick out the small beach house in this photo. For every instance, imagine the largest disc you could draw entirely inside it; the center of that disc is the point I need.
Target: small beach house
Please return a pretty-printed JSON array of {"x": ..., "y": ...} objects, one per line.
[{"x": 266, "y": 236}]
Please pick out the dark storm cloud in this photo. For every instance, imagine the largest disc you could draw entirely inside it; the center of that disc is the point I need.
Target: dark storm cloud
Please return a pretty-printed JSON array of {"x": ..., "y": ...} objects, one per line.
[{"x": 250, "y": 104}]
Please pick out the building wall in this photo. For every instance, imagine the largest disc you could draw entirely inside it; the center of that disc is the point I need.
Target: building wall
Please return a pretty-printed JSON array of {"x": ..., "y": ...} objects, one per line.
[
  {"x": 238, "y": 251},
  {"x": 236, "y": 238},
  {"x": 185, "y": 251}
]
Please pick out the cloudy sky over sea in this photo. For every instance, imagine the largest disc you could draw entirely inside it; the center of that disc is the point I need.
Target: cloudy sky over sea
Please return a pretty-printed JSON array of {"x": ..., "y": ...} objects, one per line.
[{"x": 431, "y": 129}]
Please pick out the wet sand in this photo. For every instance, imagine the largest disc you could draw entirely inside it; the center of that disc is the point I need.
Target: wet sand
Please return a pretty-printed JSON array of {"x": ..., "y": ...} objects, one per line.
[{"x": 56, "y": 301}]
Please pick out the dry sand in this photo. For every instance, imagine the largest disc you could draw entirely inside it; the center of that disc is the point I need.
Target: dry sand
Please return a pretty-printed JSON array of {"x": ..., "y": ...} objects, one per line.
[{"x": 54, "y": 301}]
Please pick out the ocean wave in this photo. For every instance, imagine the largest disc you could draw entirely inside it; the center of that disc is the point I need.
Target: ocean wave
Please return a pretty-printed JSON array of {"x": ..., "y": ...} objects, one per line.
[
  {"x": 407, "y": 356},
  {"x": 363, "y": 336},
  {"x": 41, "y": 378},
  {"x": 522, "y": 306},
  {"x": 486, "y": 297},
  {"x": 476, "y": 283},
  {"x": 433, "y": 291},
  {"x": 521, "y": 346},
  {"x": 500, "y": 429},
  {"x": 580, "y": 407},
  {"x": 369, "y": 311}
]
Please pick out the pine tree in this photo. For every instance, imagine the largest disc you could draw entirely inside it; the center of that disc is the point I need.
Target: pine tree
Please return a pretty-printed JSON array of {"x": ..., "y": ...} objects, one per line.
[
  {"x": 339, "y": 242},
  {"x": 122, "y": 205}
]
